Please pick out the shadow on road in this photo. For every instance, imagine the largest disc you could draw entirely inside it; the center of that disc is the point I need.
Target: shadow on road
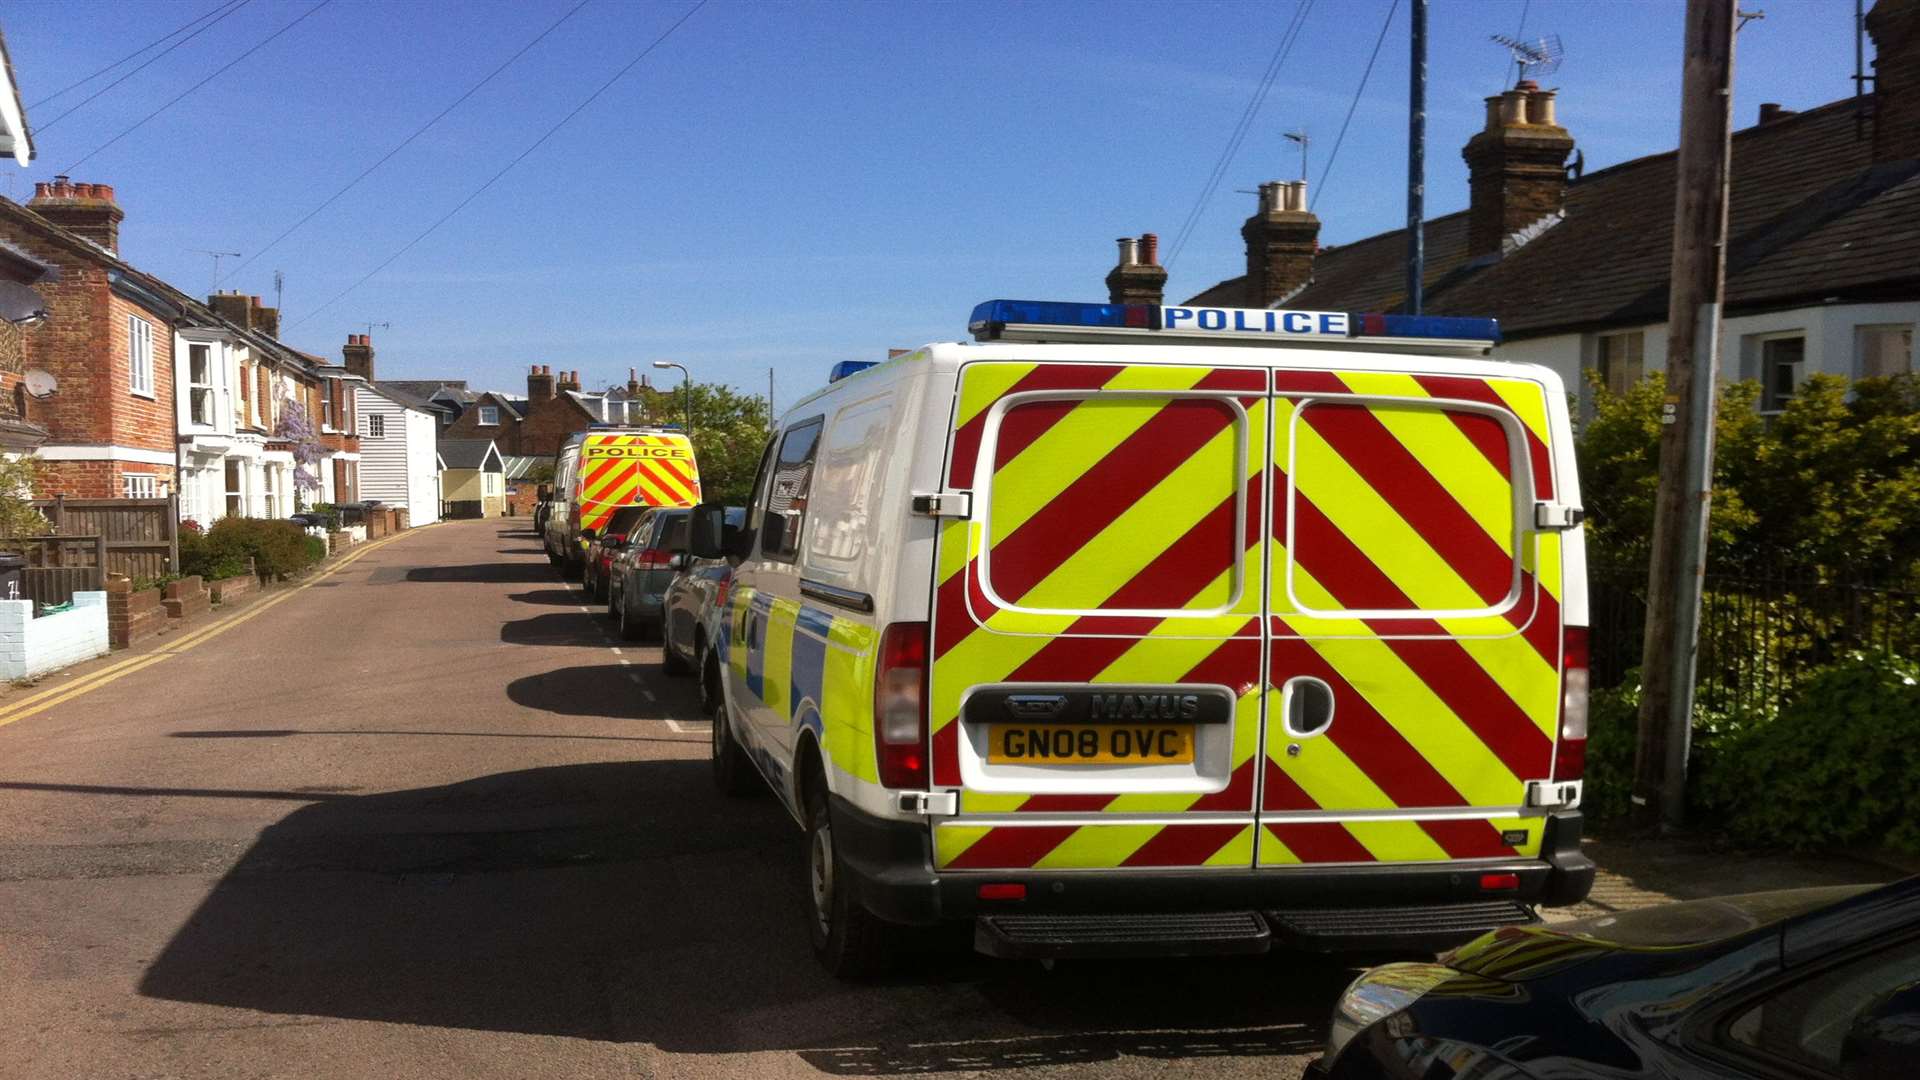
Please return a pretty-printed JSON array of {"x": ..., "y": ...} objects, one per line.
[
  {"x": 627, "y": 902},
  {"x": 607, "y": 690},
  {"x": 589, "y": 628},
  {"x": 503, "y": 573},
  {"x": 523, "y": 551},
  {"x": 557, "y": 597}
]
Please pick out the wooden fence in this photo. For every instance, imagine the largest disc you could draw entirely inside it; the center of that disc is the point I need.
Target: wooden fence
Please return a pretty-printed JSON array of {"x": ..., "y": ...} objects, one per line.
[{"x": 139, "y": 538}]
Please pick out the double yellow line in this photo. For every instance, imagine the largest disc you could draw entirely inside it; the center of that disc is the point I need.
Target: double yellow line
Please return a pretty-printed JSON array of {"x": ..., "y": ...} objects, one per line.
[{"x": 94, "y": 680}]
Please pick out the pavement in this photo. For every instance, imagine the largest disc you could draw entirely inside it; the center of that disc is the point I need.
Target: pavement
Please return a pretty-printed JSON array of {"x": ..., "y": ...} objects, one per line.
[{"x": 424, "y": 817}]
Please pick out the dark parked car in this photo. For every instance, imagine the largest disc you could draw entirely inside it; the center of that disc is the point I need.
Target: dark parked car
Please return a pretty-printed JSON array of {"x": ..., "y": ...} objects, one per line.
[
  {"x": 690, "y": 597},
  {"x": 603, "y": 545},
  {"x": 1800, "y": 983},
  {"x": 645, "y": 566}
]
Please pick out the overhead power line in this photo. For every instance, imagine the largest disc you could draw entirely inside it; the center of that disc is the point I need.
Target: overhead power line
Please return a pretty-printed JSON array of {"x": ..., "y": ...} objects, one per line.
[
  {"x": 1287, "y": 38},
  {"x": 404, "y": 143},
  {"x": 157, "y": 41},
  {"x": 230, "y": 8},
  {"x": 217, "y": 73},
  {"x": 508, "y": 167},
  {"x": 1354, "y": 104}
]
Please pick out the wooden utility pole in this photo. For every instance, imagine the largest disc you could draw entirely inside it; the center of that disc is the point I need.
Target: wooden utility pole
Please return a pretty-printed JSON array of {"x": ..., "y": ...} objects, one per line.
[
  {"x": 1686, "y": 440},
  {"x": 1417, "y": 159}
]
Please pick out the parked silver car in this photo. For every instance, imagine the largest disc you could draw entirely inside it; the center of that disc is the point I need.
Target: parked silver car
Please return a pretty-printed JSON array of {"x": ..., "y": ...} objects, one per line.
[
  {"x": 689, "y": 599},
  {"x": 641, "y": 570}
]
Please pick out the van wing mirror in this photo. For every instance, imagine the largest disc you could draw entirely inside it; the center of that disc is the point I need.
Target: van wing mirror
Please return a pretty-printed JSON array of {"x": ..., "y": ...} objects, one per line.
[{"x": 705, "y": 531}]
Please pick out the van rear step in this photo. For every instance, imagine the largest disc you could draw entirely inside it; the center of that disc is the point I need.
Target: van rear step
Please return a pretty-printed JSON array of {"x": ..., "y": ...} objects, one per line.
[
  {"x": 1047, "y": 937},
  {"x": 1429, "y": 927}
]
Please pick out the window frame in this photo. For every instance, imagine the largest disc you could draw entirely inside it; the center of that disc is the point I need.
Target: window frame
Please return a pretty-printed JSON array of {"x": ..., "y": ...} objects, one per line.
[
  {"x": 1768, "y": 405},
  {"x": 376, "y": 425},
  {"x": 140, "y": 375},
  {"x": 197, "y": 386},
  {"x": 147, "y": 482},
  {"x": 1862, "y": 331},
  {"x": 482, "y": 421},
  {"x": 772, "y": 465},
  {"x": 1636, "y": 342}
]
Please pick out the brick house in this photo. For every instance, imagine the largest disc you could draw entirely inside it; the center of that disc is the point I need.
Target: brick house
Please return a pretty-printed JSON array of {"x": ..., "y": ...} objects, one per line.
[
  {"x": 107, "y": 344},
  {"x": 1823, "y": 270},
  {"x": 554, "y": 408}
]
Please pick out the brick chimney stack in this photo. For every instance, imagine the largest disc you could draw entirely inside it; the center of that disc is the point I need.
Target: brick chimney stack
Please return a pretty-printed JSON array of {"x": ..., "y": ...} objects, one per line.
[
  {"x": 569, "y": 380},
  {"x": 246, "y": 312},
  {"x": 86, "y": 209},
  {"x": 1281, "y": 237},
  {"x": 540, "y": 384},
  {"x": 1138, "y": 278},
  {"x": 1895, "y": 28},
  {"x": 357, "y": 354},
  {"x": 1516, "y": 167},
  {"x": 633, "y": 382}
]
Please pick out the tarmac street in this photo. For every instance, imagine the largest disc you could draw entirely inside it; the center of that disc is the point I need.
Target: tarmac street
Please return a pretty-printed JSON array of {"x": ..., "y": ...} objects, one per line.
[{"x": 426, "y": 817}]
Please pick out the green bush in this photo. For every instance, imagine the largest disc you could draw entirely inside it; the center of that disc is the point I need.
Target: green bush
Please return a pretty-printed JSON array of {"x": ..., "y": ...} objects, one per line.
[
  {"x": 199, "y": 556},
  {"x": 316, "y": 549},
  {"x": 1838, "y": 766},
  {"x": 1613, "y": 732},
  {"x": 278, "y": 548},
  {"x": 329, "y": 512}
]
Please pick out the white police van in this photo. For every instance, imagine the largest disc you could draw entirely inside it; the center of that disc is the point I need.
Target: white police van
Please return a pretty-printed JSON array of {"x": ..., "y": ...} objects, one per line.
[{"x": 1165, "y": 630}]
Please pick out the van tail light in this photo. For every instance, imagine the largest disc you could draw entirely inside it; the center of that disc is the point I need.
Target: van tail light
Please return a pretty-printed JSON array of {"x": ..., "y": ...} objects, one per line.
[
  {"x": 653, "y": 557},
  {"x": 1570, "y": 754},
  {"x": 900, "y": 706}
]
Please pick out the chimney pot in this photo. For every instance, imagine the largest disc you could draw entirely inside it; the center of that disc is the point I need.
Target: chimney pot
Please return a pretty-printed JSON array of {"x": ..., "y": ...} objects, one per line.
[
  {"x": 1540, "y": 107},
  {"x": 1129, "y": 251},
  {"x": 1281, "y": 241},
  {"x": 1150, "y": 249},
  {"x": 1513, "y": 108}
]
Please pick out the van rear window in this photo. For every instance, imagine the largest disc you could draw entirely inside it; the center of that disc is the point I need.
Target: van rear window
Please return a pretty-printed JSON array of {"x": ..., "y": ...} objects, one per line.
[{"x": 1117, "y": 502}]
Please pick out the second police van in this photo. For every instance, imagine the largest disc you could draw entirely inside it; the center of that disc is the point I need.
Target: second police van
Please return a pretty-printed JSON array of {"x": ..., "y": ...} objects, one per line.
[
  {"x": 598, "y": 471},
  {"x": 1166, "y": 630}
]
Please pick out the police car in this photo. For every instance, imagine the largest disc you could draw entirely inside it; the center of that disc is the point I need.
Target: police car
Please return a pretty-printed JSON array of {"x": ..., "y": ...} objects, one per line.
[{"x": 1131, "y": 629}]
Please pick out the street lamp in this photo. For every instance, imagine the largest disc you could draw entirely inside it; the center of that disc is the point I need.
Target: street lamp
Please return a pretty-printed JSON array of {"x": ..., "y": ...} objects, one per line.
[{"x": 686, "y": 381}]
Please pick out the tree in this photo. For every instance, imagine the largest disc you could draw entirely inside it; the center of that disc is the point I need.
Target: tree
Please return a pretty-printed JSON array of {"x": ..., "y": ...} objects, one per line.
[
  {"x": 18, "y": 518},
  {"x": 729, "y": 435}
]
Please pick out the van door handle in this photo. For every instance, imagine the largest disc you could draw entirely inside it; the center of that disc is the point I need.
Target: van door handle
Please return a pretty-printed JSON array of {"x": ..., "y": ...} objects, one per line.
[{"x": 1307, "y": 706}]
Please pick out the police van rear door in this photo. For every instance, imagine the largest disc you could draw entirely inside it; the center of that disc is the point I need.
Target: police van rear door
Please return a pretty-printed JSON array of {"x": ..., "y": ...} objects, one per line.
[
  {"x": 627, "y": 468},
  {"x": 1415, "y": 618},
  {"x": 1096, "y": 690}
]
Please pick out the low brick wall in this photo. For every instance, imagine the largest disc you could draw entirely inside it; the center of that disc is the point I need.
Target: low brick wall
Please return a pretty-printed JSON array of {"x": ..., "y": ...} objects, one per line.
[
  {"x": 227, "y": 588},
  {"x": 186, "y": 598},
  {"x": 30, "y": 646},
  {"x": 131, "y": 615}
]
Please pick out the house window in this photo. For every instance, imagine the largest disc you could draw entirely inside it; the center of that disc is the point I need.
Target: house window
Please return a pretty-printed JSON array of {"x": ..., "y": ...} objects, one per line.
[
  {"x": 141, "y": 487},
  {"x": 200, "y": 384},
  {"x": 489, "y": 415},
  {"x": 326, "y": 407},
  {"x": 140, "y": 355},
  {"x": 1884, "y": 350},
  {"x": 267, "y": 491},
  {"x": 1621, "y": 358},
  {"x": 377, "y": 426},
  {"x": 1781, "y": 360},
  {"x": 236, "y": 489}
]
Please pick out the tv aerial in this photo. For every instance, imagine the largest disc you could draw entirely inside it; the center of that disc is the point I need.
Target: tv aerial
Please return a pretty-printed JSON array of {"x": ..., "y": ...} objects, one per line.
[{"x": 1540, "y": 56}]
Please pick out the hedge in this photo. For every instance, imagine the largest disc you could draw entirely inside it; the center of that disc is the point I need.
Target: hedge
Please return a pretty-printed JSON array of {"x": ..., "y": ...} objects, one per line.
[{"x": 277, "y": 548}]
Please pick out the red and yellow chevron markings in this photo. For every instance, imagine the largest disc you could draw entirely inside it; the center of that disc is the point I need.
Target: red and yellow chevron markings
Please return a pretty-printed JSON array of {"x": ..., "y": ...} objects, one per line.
[
  {"x": 1122, "y": 542},
  {"x": 621, "y": 470}
]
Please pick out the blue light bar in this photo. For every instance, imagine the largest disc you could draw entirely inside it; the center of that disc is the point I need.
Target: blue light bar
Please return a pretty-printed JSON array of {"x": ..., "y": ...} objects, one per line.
[
  {"x": 1057, "y": 320},
  {"x": 1060, "y": 313},
  {"x": 848, "y": 367}
]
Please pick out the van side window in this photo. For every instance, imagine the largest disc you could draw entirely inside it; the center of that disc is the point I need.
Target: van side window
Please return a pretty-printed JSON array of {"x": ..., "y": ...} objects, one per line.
[
  {"x": 787, "y": 487},
  {"x": 750, "y": 526}
]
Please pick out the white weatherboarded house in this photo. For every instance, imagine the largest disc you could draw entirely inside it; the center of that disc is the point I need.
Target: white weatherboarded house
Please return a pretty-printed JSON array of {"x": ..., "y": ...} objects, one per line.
[{"x": 399, "y": 459}]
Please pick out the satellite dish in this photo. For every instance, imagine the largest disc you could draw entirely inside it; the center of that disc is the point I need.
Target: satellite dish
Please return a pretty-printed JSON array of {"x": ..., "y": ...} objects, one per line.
[
  {"x": 40, "y": 384},
  {"x": 19, "y": 304}
]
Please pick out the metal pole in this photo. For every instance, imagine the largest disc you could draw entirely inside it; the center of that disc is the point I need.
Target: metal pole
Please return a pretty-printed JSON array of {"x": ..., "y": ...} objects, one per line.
[
  {"x": 686, "y": 383},
  {"x": 1675, "y": 574},
  {"x": 1417, "y": 160},
  {"x": 772, "y": 423}
]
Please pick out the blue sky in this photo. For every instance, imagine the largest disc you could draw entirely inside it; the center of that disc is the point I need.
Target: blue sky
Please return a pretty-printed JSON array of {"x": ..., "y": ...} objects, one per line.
[{"x": 788, "y": 185}]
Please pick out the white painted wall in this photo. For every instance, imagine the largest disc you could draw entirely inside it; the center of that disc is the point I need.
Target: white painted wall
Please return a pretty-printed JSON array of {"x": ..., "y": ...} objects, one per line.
[
  {"x": 423, "y": 466},
  {"x": 1831, "y": 332},
  {"x": 398, "y": 466},
  {"x": 30, "y": 646}
]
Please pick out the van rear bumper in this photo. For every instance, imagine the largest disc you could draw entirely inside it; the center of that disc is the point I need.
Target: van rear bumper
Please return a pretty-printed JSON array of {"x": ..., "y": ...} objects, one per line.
[{"x": 891, "y": 864}]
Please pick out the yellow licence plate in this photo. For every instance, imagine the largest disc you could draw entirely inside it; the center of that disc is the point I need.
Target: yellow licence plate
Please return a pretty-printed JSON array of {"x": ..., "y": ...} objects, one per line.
[{"x": 1089, "y": 744}]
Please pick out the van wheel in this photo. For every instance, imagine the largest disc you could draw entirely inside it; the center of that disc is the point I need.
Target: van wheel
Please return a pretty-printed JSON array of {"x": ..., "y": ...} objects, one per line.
[
  {"x": 850, "y": 941},
  {"x": 732, "y": 772}
]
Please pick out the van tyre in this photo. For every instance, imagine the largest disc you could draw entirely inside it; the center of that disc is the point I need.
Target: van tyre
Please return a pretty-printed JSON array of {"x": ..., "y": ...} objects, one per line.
[
  {"x": 732, "y": 772},
  {"x": 850, "y": 941}
]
